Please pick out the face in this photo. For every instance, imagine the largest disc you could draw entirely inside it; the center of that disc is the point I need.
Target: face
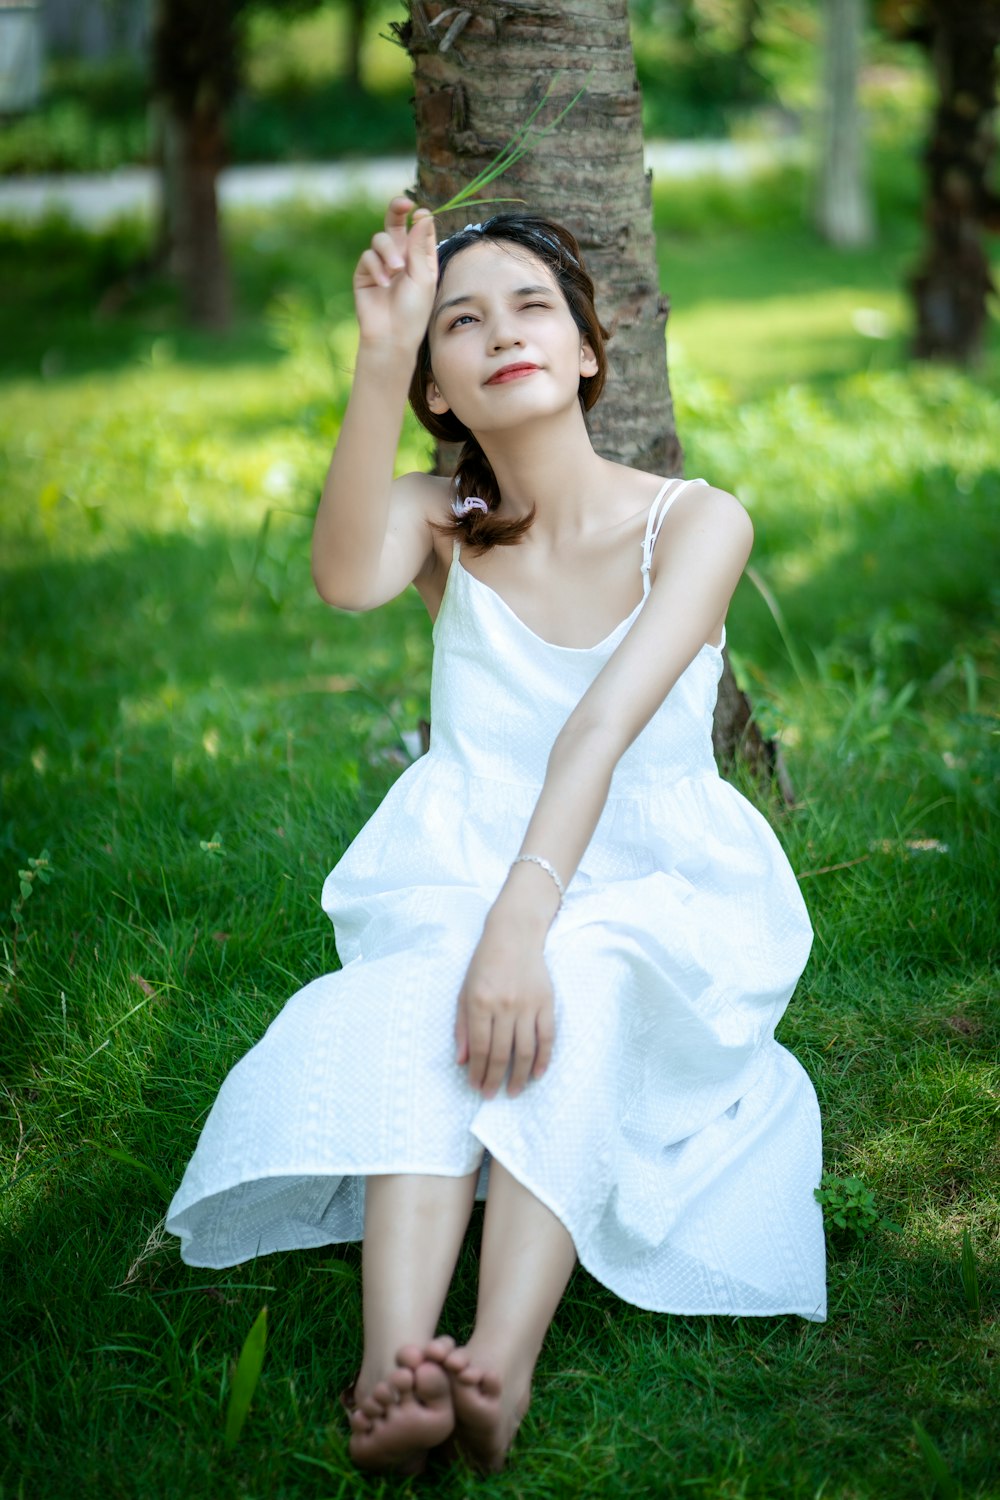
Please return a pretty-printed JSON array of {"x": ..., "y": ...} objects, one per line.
[{"x": 504, "y": 346}]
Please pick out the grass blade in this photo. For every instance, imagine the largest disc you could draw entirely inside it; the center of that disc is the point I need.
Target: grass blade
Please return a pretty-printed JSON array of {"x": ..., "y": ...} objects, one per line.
[
  {"x": 521, "y": 142},
  {"x": 970, "y": 1276},
  {"x": 245, "y": 1378},
  {"x": 939, "y": 1470},
  {"x": 117, "y": 1154}
]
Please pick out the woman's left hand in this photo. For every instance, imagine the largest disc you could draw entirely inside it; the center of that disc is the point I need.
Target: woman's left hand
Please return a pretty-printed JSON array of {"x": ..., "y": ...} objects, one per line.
[{"x": 505, "y": 1011}]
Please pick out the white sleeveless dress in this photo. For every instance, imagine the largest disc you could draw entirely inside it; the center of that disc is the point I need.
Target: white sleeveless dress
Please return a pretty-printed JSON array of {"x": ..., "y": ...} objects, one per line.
[{"x": 675, "y": 1139}]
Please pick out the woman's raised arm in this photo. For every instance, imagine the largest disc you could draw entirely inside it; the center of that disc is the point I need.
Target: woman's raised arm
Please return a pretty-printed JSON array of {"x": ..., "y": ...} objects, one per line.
[{"x": 371, "y": 537}]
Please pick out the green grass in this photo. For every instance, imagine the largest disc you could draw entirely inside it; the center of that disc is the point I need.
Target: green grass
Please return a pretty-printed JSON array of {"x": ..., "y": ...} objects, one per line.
[{"x": 193, "y": 739}]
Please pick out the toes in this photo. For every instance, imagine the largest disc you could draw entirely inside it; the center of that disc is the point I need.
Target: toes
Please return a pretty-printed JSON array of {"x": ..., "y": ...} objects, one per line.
[
  {"x": 457, "y": 1361},
  {"x": 410, "y": 1355},
  {"x": 440, "y": 1348},
  {"x": 431, "y": 1383},
  {"x": 400, "y": 1382}
]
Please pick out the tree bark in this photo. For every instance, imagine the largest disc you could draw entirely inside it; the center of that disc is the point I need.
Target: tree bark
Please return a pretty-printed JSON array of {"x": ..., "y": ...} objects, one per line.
[
  {"x": 479, "y": 69},
  {"x": 474, "y": 89},
  {"x": 952, "y": 283},
  {"x": 193, "y": 155},
  {"x": 195, "y": 67},
  {"x": 843, "y": 209}
]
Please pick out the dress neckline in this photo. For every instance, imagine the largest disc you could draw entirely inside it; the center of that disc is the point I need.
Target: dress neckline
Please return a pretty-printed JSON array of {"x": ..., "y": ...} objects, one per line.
[{"x": 551, "y": 645}]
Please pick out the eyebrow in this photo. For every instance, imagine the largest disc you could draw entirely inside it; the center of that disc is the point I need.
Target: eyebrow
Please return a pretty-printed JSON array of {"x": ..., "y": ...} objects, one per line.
[{"x": 521, "y": 291}]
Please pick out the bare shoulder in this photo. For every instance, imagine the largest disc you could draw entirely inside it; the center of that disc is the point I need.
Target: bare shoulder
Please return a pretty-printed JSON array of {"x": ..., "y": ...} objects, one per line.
[
  {"x": 706, "y": 510},
  {"x": 417, "y": 500},
  {"x": 429, "y": 494},
  {"x": 422, "y": 502}
]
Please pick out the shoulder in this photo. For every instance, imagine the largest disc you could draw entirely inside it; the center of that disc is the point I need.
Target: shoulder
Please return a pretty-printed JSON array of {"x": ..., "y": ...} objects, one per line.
[
  {"x": 422, "y": 502},
  {"x": 706, "y": 535},
  {"x": 429, "y": 493},
  {"x": 706, "y": 510}
]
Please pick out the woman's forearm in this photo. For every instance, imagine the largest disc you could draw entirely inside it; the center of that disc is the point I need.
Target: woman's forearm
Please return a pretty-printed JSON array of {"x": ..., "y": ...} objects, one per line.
[{"x": 573, "y": 796}]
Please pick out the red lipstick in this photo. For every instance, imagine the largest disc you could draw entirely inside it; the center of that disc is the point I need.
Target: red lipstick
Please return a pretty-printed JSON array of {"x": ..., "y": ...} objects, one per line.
[{"x": 511, "y": 372}]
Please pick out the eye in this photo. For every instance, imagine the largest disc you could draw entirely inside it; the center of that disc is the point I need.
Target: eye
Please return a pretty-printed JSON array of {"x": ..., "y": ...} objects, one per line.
[
  {"x": 462, "y": 317},
  {"x": 535, "y": 304}
]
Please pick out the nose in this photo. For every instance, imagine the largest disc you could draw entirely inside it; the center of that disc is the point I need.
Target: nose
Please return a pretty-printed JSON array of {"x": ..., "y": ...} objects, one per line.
[{"x": 504, "y": 332}]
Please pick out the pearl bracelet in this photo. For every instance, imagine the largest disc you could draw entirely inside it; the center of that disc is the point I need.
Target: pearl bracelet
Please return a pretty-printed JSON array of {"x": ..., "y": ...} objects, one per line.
[{"x": 536, "y": 859}]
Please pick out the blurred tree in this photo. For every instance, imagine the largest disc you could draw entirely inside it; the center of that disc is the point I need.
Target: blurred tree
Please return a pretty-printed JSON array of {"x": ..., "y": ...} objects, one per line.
[
  {"x": 357, "y": 16},
  {"x": 952, "y": 283},
  {"x": 479, "y": 69},
  {"x": 195, "y": 74},
  {"x": 196, "y": 67},
  {"x": 843, "y": 206}
]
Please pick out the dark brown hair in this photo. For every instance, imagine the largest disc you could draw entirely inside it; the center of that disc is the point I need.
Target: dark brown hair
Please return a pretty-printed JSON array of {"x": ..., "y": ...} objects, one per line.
[{"x": 557, "y": 249}]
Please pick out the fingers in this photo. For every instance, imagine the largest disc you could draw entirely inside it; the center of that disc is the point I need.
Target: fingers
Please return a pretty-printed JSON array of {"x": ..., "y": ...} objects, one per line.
[
  {"x": 480, "y": 1029},
  {"x": 421, "y": 247},
  {"x": 461, "y": 1034},
  {"x": 524, "y": 1056},
  {"x": 545, "y": 1034},
  {"x": 397, "y": 212},
  {"x": 491, "y": 1041},
  {"x": 396, "y": 248},
  {"x": 498, "y": 1058},
  {"x": 380, "y": 262}
]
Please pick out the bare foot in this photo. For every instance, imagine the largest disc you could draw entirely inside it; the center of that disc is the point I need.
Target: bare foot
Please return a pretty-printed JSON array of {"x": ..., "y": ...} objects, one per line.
[
  {"x": 396, "y": 1423},
  {"x": 487, "y": 1414}
]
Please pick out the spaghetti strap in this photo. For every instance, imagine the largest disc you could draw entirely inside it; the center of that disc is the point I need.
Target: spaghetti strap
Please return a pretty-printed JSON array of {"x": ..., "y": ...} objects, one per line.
[{"x": 665, "y": 497}]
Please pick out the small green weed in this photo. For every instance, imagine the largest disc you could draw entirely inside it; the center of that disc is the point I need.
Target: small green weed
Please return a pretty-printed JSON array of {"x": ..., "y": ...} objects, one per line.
[{"x": 849, "y": 1206}]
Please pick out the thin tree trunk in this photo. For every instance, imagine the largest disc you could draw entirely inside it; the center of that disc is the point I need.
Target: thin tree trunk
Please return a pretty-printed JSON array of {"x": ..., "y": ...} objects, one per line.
[
  {"x": 193, "y": 156},
  {"x": 194, "y": 70},
  {"x": 952, "y": 283},
  {"x": 843, "y": 209},
  {"x": 357, "y": 11}
]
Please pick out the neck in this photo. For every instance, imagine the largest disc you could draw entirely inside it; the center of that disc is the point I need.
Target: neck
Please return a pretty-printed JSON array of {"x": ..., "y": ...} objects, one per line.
[{"x": 551, "y": 465}]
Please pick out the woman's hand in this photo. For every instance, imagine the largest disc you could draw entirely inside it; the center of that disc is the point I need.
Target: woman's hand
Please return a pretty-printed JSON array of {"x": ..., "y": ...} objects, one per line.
[
  {"x": 505, "y": 1010},
  {"x": 396, "y": 279}
]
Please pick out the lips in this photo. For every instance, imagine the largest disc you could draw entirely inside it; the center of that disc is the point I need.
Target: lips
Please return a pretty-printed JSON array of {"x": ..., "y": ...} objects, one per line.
[{"x": 511, "y": 372}]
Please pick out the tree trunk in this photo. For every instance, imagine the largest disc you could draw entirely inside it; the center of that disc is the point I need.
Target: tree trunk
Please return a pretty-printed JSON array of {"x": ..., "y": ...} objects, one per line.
[
  {"x": 194, "y": 70},
  {"x": 951, "y": 285},
  {"x": 843, "y": 209},
  {"x": 478, "y": 72},
  {"x": 747, "y": 83},
  {"x": 357, "y": 11},
  {"x": 193, "y": 156}
]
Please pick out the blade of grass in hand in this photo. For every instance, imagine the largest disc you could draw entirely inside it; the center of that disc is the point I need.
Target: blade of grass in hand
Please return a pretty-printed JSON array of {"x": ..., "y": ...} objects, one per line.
[{"x": 521, "y": 142}]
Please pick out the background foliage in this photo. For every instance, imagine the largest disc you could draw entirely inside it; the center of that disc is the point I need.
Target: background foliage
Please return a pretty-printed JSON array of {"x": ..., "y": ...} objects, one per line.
[{"x": 297, "y": 102}]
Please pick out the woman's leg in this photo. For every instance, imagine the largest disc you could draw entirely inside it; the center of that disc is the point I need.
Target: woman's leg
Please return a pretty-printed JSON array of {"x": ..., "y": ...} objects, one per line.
[
  {"x": 526, "y": 1260},
  {"x": 413, "y": 1232}
]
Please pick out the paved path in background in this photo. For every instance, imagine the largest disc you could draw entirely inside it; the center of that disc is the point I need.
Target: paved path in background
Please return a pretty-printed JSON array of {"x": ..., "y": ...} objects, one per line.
[{"x": 93, "y": 199}]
